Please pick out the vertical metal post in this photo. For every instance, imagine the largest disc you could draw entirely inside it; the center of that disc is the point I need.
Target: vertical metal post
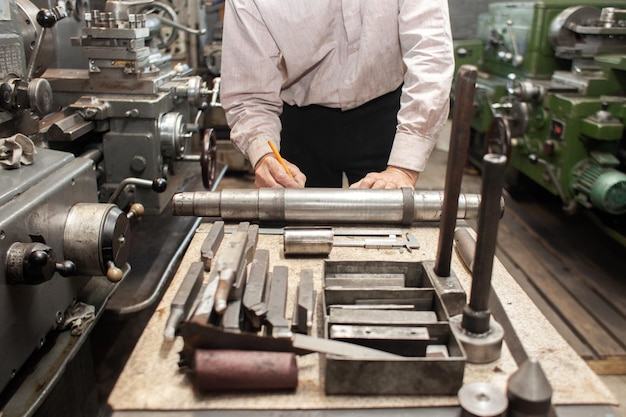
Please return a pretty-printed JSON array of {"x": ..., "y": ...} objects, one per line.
[
  {"x": 481, "y": 336},
  {"x": 459, "y": 142},
  {"x": 476, "y": 316}
]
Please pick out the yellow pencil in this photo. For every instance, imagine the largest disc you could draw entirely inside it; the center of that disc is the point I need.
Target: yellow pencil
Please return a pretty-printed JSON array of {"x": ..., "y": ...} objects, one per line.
[{"x": 280, "y": 159}]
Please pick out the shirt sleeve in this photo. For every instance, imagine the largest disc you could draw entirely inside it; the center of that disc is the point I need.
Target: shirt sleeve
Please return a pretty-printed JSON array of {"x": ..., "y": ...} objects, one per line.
[
  {"x": 427, "y": 52},
  {"x": 251, "y": 80}
]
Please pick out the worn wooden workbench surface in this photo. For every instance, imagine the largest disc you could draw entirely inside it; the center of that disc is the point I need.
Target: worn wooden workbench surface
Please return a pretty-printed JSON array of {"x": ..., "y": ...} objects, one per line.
[{"x": 151, "y": 379}]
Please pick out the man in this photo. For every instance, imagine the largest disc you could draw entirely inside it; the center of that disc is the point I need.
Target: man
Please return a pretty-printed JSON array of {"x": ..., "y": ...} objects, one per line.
[{"x": 359, "y": 87}]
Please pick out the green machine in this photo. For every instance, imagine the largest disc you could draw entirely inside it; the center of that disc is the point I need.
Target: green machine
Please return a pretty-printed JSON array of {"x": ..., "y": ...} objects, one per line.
[{"x": 551, "y": 96}]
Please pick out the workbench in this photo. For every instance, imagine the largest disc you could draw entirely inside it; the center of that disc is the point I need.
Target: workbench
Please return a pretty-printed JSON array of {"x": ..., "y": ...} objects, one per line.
[{"x": 152, "y": 382}]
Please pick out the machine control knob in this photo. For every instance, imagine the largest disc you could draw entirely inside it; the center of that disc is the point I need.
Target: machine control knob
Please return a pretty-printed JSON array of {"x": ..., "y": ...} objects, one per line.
[
  {"x": 114, "y": 274},
  {"x": 136, "y": 210},
  {"x": 66, "y": 268},
  {"x": 40, "y": 95},
  {"x": 97, "y": 239},
  {"x": 46, "y": 18},
  {"x": 6, "y": 96},
  {"x": 159, "y": 184},
  {"x": 30, "y": 263}
]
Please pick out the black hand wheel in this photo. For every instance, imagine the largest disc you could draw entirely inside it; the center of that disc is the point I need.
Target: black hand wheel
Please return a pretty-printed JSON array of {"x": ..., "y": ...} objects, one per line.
[
  {"x": 168, "y": 33},
  {"x": 208, "y": 158}
]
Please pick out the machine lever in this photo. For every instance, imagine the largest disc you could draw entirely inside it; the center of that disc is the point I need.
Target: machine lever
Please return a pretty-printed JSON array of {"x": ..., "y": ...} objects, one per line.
[
  {"x": 459, "y": 144},
  {"x": 158, "y": 185}
]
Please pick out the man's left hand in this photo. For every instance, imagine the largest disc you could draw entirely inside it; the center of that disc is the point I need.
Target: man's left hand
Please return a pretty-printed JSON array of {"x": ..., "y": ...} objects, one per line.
[{"x": 390, "y": 178}]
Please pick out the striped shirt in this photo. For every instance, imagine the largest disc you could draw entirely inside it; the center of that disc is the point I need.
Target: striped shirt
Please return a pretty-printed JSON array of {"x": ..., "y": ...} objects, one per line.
[{"x": 340, "y": 54}]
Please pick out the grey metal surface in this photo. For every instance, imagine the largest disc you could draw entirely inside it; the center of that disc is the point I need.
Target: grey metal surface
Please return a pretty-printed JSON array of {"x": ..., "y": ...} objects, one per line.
[
  {"x": 38, "y": 213},
  {"x": 304, "y": 310},
  {"x": 230, "y": 268},
  {"x": 37, "y": 383},
  {"x": 419, "y": 321},
  {"x": 482, "y": 347},
  {"x": 183, "y": 300},
  {"x": 18, "y": 181},
  {"x": 254, "y": 296},
  {"x": 449, "y": 289},
  {"x": 381, "y": 317},
  {"x": 481, "y": 399},
  {"x": 276, "y": 323},
  {"x": 529, "y": 391},
  {"x": 307, "y": 240},
  {"x": 211, "y": 243},
  {"x": 328, "y": 206}
]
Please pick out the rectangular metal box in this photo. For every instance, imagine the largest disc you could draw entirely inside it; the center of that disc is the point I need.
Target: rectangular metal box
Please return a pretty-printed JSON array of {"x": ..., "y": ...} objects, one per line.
[{"x": 414, "y": 373}]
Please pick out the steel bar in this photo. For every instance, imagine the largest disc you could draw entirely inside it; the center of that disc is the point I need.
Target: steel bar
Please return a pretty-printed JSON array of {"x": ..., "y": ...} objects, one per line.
[
  {"x": 232, "y": 319},
  {"x": 312, "y": 240},
  {"x": 405, "y": 307},
  {"x": 367, "y": 281},
  {"x": 302, "y": 321},
  {"x": 229, "y": 265},
  {"x": 277, "y": 325},
  {"x": 466, "y": 246},
  {"x": 211, "y": 243},
  {"x": 254, "y": 304},
  {"x": 408, "y": 341},
  {"x": 199, "y": 334},
  {"x": 184, "y": 299},
  {"x": 481, "y": 336},
  {"x": 327, "y": 206},
  {"x": 253, "y": 238},
  {"x": 457, "y": 156},
  {"x": 385, "y": 332},
  {"x": 474, "y": 320},
  {"x": 381, "y": 317}
]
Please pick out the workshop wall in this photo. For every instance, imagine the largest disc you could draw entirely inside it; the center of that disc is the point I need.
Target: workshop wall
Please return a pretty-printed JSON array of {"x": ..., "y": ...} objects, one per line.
[{"x": 464, "y": 19}]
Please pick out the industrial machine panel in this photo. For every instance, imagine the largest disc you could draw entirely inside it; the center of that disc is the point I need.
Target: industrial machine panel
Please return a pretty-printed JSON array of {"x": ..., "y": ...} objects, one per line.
[{"x": 38, "y": 214}]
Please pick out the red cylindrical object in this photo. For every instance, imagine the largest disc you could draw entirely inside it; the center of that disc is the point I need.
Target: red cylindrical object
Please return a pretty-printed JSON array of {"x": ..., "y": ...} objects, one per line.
[{"x": 237, "y": 370}]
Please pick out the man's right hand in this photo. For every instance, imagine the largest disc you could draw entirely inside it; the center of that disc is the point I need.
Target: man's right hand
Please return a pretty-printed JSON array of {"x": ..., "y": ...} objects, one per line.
[{"x": 268, "y": 172}]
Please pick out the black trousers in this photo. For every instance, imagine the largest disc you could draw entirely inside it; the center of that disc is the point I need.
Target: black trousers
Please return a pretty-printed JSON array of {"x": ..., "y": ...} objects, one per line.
[{"x": 325, "y": 142}]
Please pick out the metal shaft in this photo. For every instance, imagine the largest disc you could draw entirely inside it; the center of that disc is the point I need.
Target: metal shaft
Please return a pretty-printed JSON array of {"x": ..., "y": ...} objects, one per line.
[
  {"x": 240, "y": 370},
  {"x": 330, "y": 206},
  {"x": 475, "y": 318},
  {"x": 457, "y": 155}
]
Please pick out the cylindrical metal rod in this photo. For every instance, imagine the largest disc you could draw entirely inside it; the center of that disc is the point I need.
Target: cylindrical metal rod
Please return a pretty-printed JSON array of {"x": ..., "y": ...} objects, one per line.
[
  {"x": 457, "y": 156},
  {"x": 240, "y": 370},
  {"x": 328, "y": 206},
  {"x": 308, "y": 240},
  {"x": 487, "y": 235}
]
